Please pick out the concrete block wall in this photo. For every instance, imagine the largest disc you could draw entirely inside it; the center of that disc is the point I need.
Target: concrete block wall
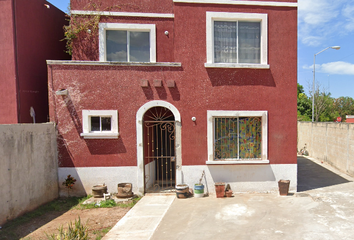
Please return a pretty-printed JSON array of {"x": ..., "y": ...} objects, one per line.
[
  {"x": 29, "y": 168},
  {"x": 329, "y": 142}
]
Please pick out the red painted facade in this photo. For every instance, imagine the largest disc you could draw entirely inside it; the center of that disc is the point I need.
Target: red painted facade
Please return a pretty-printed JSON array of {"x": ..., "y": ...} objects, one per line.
[
  {"x": 197, "y": 89},
  {"x": 30, "y": 35}
]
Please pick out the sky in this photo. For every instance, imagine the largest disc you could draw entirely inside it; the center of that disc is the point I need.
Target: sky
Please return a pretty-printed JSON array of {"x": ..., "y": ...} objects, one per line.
[{"x": 321, "y": 24}]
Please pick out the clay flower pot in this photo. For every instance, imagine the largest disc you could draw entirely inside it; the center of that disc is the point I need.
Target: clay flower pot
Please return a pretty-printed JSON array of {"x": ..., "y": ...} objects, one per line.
[
  {"x": 220, "y": 189},
  {"x": 283, "y": 187}
]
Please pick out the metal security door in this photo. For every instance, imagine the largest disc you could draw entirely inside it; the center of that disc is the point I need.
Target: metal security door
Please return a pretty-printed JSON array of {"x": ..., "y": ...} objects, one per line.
[{"x": 159, "y": 150}]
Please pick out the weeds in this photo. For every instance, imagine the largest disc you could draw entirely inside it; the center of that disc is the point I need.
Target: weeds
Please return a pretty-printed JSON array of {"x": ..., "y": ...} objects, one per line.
[{"x": 75, "y": 231}]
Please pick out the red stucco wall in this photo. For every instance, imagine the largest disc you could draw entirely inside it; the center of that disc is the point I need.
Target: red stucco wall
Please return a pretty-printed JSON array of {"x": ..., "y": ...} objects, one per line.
[
  {"x": 8, "y": 89},
  {"x": 198, "y": 89},
  {"x": 30, "y": 34},
  {"x": 39, "y": 31},
  {"x": 152, "y": 6}
]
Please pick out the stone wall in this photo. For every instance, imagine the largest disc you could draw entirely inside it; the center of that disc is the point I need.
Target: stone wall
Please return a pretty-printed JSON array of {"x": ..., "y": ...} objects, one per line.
[
  {"x": 29, "y": 168},
  {"x": 329, "y": 142}
]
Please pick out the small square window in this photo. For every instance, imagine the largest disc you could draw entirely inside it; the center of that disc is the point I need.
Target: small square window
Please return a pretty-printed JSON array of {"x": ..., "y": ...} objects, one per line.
[
  {"x": 100, "y": 124},
  {"x": 122, "y": 42}
]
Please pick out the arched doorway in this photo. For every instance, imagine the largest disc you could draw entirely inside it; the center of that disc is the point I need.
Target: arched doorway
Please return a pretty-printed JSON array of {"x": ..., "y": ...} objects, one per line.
[
  {"x": 142, "y": 168},
  {"x": 159, "y": 149}
]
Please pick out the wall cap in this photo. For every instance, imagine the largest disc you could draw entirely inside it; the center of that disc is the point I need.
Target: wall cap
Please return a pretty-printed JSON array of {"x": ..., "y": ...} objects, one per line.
[{"x": 100, "y": 63}]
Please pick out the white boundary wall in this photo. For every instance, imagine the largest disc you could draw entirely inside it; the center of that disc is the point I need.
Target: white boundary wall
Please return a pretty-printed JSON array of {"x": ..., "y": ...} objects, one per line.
[
  {"x": 329, "y": 142},
  {"x": 29, "y": 168}
]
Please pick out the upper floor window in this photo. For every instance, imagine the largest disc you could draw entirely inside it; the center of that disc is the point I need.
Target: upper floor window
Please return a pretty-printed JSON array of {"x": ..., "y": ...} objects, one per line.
[
  {"x": 237, "y": 40},
  {"x": 122, "y": 42}
]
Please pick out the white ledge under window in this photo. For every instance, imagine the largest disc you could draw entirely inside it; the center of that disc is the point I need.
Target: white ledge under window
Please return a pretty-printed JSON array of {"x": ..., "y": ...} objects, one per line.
[
  {"x": 220, "y": 162},
  {"x": 99, "y": 63},
  {"x": 236, "y": 65},
  {"x": 100, "y": 135}
]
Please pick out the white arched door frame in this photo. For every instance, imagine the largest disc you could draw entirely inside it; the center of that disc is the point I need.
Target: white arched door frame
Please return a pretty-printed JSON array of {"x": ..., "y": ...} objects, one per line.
[{"x": 140, "y": 140}]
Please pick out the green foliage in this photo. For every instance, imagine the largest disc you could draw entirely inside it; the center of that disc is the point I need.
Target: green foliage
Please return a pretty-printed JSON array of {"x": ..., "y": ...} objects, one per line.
[
  {"x": 75, "y": 231},
  {"x": 304, "y": 111},
  {"x": 344, "y": 106},
  {"x": 100, "y": 233},
  {"x": 327, "y": 109}
]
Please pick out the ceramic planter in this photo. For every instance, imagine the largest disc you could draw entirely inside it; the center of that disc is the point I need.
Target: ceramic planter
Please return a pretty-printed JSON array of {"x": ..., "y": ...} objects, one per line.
[
  {"x": 220, "y": 190},
  {"x": 283, "y": 187},
  {"x": 182, "y": 191}
]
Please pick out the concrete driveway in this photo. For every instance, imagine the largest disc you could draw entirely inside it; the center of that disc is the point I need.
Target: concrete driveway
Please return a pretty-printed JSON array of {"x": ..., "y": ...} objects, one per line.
[{"x": 323, "y": 209}]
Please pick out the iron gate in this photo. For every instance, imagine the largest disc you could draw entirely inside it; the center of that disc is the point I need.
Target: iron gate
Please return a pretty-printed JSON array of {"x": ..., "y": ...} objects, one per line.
[{"x": 159, "y": 148}]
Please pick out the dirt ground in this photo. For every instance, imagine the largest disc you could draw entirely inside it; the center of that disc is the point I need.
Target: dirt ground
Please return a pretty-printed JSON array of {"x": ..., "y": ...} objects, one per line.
[{"x": 96, "y": 219}]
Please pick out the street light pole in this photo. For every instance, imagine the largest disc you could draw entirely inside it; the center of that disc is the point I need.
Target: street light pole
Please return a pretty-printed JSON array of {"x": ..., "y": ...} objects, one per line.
[{"x": 314, "y": 74}]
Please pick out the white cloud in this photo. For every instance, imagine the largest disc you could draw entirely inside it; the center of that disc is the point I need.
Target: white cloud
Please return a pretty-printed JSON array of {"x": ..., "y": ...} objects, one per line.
[
  {"x": 321, "y": 20},
  {"x": 348, "y": 13},
  {"x": 339, "y": 68}
]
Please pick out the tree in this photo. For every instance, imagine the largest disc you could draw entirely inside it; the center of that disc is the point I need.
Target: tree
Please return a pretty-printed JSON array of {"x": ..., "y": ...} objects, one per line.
[
  {"x": 323, "y": 102},
  {"x": 344, "y": 106},
  {"x": 303, "y": 105}
]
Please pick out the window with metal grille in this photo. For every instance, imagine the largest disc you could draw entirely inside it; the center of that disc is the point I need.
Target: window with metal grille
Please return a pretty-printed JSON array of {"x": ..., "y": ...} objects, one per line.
[{"x": 237, "y": 138}]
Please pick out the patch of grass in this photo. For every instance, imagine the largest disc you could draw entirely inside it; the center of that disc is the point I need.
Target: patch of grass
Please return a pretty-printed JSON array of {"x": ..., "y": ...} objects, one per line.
[
  {"x": 129, "y": 204},
  {"x": 101, "y": 232}
]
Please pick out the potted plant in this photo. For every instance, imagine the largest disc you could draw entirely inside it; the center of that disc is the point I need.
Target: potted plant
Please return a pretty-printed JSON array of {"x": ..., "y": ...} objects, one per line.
[
  {"x": 199, "y": 187},
  {"x": 69, "y": 183}
]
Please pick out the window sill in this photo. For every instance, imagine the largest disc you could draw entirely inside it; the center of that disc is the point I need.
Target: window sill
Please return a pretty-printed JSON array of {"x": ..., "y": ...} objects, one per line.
[
  {"x": 101, "y": 63},
  {"x": 235, "y": 65},
  {"x": 237, "y": 162},
  {"x": 100, "y": 135}
]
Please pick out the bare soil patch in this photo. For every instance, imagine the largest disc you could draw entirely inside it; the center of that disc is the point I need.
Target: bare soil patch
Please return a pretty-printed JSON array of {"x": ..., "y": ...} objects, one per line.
[{"x": 98, "y": 220}]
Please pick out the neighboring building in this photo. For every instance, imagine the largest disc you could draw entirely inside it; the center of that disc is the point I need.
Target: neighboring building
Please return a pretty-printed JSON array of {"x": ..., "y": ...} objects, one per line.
[
  {"x": 349, "y": 118},
  {"x": 30, "y": 34},
  {"x": 165, "y": 89}
]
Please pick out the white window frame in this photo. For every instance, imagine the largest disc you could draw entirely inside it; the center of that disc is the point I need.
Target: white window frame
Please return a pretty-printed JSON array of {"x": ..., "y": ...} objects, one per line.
[
  {"x": 228, "y": 16},
  {"x": 126, "y": 27},
  {"x": 212, "y": 114},
  {"x": 86, "y": 124}
]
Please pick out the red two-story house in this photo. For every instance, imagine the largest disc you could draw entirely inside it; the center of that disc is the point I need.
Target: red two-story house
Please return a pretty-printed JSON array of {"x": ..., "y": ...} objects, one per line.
[{"x": 159, "y": 91}]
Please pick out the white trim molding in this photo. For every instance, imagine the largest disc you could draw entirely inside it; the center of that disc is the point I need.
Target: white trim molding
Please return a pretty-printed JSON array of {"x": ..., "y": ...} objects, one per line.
[
  {"x": 86, "y": 124},
  {"x": 233, "y": 2},
  {"x": 212, "y": 114},
  {"x": 140, "y": 140},
  {"x": 233, "y": 16},
  {"x": 123, "y": 14},
  {"x": 151, "y": 28},
  {"x": 98, "y": 63}
]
